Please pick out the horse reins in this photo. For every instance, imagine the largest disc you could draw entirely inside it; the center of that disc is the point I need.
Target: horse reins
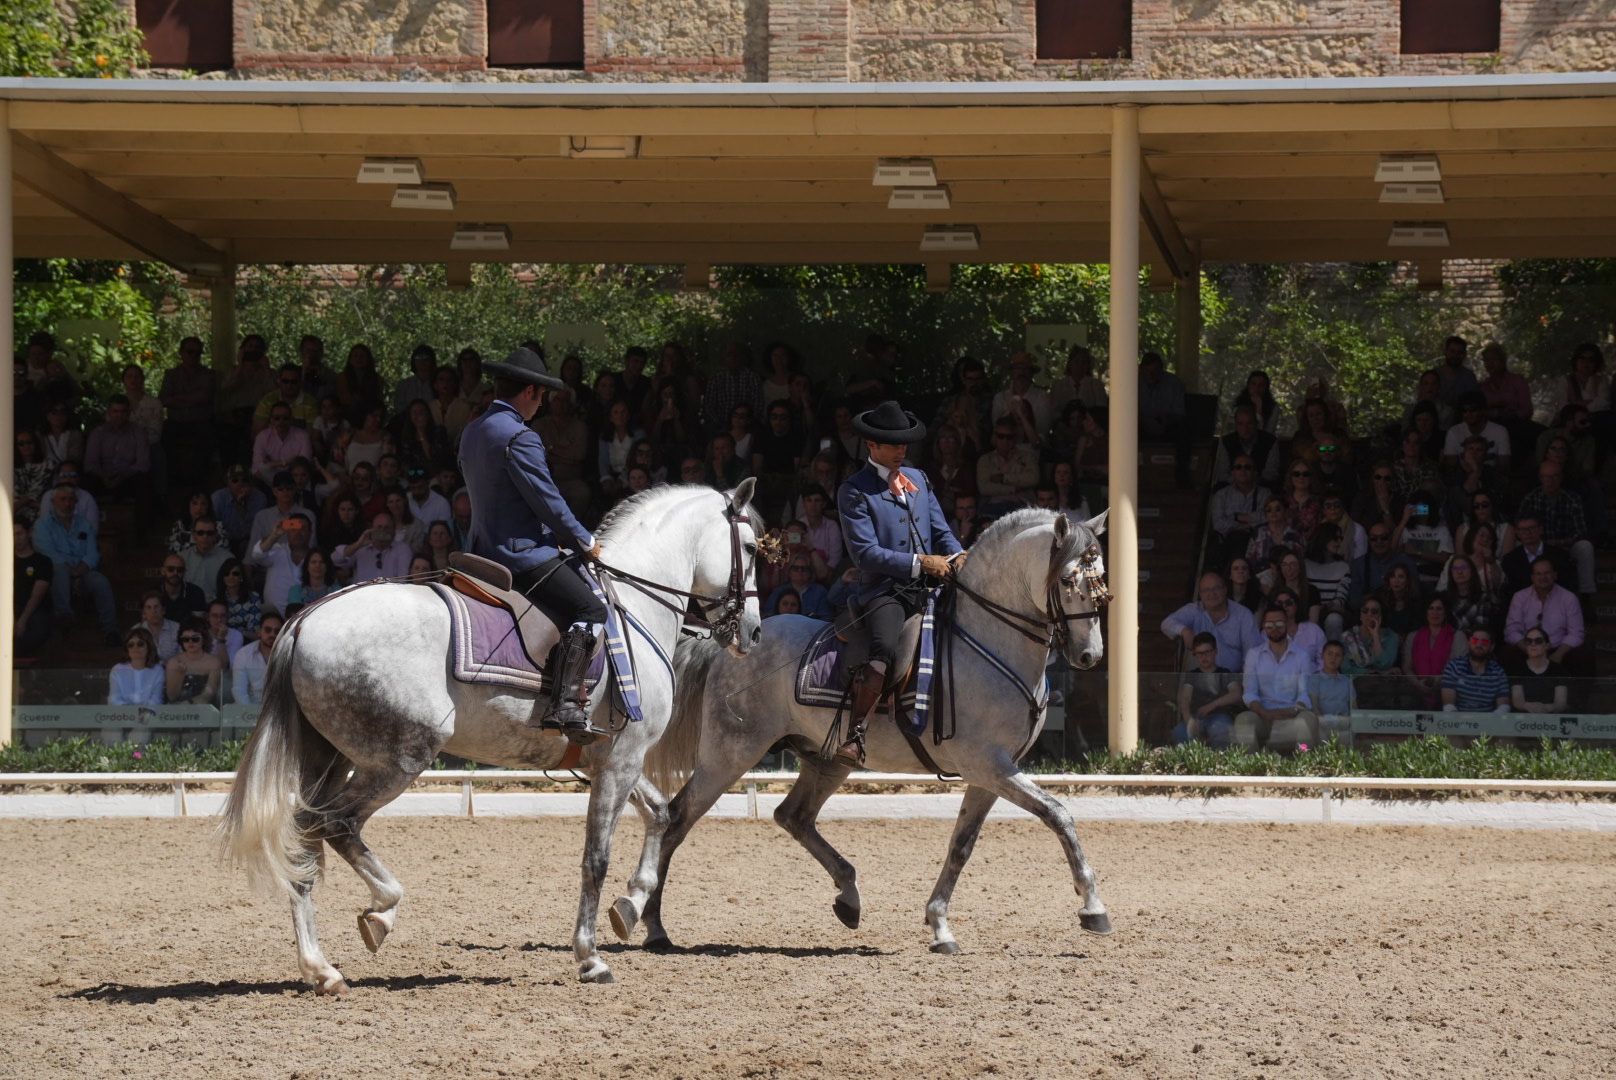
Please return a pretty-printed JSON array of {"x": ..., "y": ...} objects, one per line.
[{"x": 1052, "y": 630}]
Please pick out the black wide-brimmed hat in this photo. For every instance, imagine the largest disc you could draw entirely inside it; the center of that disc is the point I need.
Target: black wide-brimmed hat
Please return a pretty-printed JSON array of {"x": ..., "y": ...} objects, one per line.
[
  {"x": 889, "y": 422},
  {"x": 524, "y": 365}
]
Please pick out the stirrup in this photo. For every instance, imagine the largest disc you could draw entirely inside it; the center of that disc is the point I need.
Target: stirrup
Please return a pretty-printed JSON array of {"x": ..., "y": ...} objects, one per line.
[{"x": 851, "y": 753}]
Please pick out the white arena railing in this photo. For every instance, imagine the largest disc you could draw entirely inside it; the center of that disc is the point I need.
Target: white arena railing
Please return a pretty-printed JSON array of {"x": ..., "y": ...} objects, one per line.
[{"x": 1329, "y": 787}]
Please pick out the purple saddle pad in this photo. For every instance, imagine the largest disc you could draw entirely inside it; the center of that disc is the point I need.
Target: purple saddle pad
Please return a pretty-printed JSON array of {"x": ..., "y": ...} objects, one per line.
[
  {"x": 484, "y": 647},
  {"x": 822, "y": 675}
]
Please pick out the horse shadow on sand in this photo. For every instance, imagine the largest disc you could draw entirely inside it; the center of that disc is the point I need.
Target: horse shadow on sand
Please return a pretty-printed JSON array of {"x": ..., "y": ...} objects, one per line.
[
  {"x": 716, "y": 949},
  {"x": 124, "y": 994}
]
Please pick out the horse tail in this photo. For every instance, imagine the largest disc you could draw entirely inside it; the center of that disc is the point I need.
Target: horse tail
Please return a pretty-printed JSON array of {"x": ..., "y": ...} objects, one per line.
[
  {"x": 260, "y": 830},
  {"x": 673, "y": 758}
]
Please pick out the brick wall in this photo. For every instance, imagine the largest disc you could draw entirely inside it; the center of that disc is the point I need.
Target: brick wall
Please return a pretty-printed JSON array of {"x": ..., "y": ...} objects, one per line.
[{"x": 898, "y": 40}]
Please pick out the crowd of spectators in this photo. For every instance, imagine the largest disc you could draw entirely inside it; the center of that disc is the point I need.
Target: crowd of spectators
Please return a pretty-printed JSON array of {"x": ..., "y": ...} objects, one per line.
[{"x": 1445, "y": 562}]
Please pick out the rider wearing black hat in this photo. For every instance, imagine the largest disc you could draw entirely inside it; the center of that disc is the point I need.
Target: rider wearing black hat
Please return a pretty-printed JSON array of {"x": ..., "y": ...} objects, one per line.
[{"x": 898, "y": 538}]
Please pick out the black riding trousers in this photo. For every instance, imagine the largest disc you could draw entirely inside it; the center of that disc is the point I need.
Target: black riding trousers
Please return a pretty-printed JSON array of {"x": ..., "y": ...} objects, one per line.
[
  {"x": 557, "y": 588},
  {"x": 885, "y": 616}
]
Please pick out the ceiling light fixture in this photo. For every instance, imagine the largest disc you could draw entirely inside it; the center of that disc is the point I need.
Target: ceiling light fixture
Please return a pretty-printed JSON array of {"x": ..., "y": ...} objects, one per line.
[
  {"x": 905, "y": 172},
  {"x": 424, "y": 197},
  {"x": 600, "y": 146},
  {"x": 919, "y": 198},
  {"x": 1418, "y": 234},
  {"x": 951, "y": 238},
  {"x": 390, "y": 171},
  {"x": 481, "y": 238},
  {"x": 1417, "y": 192},
  {"x": 1408, "y": 168}
]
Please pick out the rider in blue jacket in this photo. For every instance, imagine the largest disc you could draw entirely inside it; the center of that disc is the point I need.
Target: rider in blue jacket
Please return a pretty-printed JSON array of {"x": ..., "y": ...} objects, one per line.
[
  {"x": 900, "y": 541},
  {"x": 520, "y": 520}
]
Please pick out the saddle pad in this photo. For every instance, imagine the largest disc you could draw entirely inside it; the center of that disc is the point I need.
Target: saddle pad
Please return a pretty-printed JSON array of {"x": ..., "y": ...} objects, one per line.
[
  {"x": 485, "y": 648},
  {"x": 822, "y": 677}
]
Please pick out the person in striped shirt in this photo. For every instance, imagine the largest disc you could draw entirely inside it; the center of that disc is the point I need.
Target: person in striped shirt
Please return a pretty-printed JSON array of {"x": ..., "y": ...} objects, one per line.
[{"x": 1475, "y": 682}]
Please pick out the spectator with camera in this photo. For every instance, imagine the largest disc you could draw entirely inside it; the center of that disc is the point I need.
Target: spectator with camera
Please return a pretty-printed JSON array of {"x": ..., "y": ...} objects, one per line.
[{"x": 281, "y": 552}]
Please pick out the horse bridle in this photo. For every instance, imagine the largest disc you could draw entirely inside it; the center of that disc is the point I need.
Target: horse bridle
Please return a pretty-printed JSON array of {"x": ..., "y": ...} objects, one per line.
[
  {"x": 731, "y": 606},
  {"x": 1053, "y": 631}
]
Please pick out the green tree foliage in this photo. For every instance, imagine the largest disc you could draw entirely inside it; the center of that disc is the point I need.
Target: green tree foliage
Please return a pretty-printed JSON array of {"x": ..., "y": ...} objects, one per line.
[
  {"x": 98, "y": 41},
  {"x": 1553, "y": 305}
]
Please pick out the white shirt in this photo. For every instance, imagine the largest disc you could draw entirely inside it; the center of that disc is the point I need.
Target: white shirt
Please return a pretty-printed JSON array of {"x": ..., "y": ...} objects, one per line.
[
  {"x": 432, "y": 508},
  {"x": 247, "y": 670},
  {"x": 367, "y": 563},
  {"x": 282, "y": 573},
  {"x": 1497, "y": 439},
  {"x": 903, "y": 497}
]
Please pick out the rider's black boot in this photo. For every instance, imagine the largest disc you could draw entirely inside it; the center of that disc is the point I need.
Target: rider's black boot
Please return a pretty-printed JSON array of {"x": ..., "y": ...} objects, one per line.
[{"x": 569, "y": 698}]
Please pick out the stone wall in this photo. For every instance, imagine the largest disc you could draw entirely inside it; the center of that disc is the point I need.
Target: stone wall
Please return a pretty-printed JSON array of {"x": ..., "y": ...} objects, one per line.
[{"x": 898, "y": 40}]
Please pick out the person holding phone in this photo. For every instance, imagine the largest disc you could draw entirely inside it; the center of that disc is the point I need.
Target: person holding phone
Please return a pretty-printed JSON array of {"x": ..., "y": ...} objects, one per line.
[{"x": 1425, "y": 539}]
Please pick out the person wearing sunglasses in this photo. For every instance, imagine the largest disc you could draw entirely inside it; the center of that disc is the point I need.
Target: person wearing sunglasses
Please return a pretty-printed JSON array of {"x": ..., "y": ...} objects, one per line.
[
  {"x": 1237, "y": 505},
  {"x": 1475, "y": 682},
  {"x": 1301, "y": 499},
  {"x": 193, "y": 674},
  {"x": 139, "y": 679},
  {"x": 206, "y": 556},
  {"x": 1538, "y": 684},
  {"x": 250, "y": 665},
  {"x": 1278, "y": 714}
]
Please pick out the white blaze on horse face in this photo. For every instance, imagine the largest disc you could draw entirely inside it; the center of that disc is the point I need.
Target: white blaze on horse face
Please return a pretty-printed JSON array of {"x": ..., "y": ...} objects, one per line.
[{"x": 1083, "y": 589}]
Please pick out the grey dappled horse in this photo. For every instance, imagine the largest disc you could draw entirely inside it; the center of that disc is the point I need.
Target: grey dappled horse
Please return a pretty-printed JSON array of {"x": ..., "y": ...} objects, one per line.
[
  {"x": 1040, "y": 573},
  {"x": 359, "y": 701}
]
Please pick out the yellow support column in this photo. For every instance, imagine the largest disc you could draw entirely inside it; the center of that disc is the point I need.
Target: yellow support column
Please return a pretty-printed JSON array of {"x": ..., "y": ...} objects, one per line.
[
  {"x": 7, "y": 433},
  {"x": 1122, "y": 637}
]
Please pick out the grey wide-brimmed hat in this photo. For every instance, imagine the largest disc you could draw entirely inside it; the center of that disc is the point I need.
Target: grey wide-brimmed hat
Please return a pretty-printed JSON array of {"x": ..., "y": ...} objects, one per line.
[
  {"x": 524, "y": 365},
  {"x": 889, "y": 422}
]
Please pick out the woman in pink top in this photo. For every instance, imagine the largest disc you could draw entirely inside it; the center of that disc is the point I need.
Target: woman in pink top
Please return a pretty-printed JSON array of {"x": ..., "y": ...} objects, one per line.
[{"x": 1427, "y": 651}]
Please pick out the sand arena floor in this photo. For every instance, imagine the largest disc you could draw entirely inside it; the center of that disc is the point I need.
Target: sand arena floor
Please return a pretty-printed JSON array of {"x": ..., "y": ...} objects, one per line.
[{"x": 1242, "y": 951}]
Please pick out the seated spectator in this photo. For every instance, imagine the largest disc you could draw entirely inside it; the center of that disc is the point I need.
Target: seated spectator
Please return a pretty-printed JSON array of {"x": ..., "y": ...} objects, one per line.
[
  {"x": 1045, "y": 497},
  {"x": 1005, "y": 476},
  {"x": 370, "y": 440},
  {"x": 279, "y": 444},
  {"x": 1237, "y": 507},
  {"x": 1508, "y": 395},
  {"x": 1244, "y": 588},
  {"x": 1333, "y": 469},
  {"x": 1550, "y": 608},
  {"x": 1207, "y": 697},
  {"x": 1091, "y": 456},
  {"x": 1564, "y": 525},
  {"x": 344, "y": 523},
  {"x": 1370, "y": 572},
  {"x": 219, "y": 637},
  {"x": 1539, "y": 684},
  {"x": 1230, "y": 624},
  {"x": 951, "y": 474},
  {"x": 179, "y": 533},
  {"x": 1471, "y": 477},
  {"x": 329, "y": 430},
  {"x": 278, "y": 513},
  {"x": 439, "y": 544},
  {"x": 1578, "y": 457},
  {"x": 692, "y": 470},
  {"x": 814, "y": 600},
  {"x": 1259, "y": 394},
  {"x": 1427, "y": 650},
  {"x": 1278, "y": 714},
  {"x": 1023, "y": 404},
  {"x": 1483, "y": 509},
  {"x": 69, "y": 541},
  {"x": 1322, "y": 423},
  {"x": 1069, "y": 498},
  {"x": 822, "y": 534},
  {"x": 1161, "y": 411},
  {"x": 451, "y": 412},
  {"x": 1333, "y": 695},
  {"x": 723, "y": 468},
  {"x": 236, "y": 506},
  {"x": 740, "y": 432},
  {"x": 788, "y": 602},
  {"x": 246, "y": 606},
  {"x": 31, "y": 585},
  {"x": 966, "y": 524},
  {"x": 1475, "y": 682},
  {"x": 193, "y": 674},
  {"x": 378, "y": 552},
  {"x": 1454, "y": 372},
  {"x": 1306, "y": 637},
  {"x": 289, "y": 391},
  {"x": 1378, "y": 501},
  {"x": 1478, "y": 548},
  {"x": 1416, "y": 470},
  {"x": 1078, "y": 383},
  {"x": 460, "y": 522},
  {"x": 1289, "y": 571},
  {"x": 1473, "y": 422},
  {"x": 67, "y": 473},
  {"x": 1371, "y": 653},
  {"x": 1354, "y": 537},
  {"x": 1399, "y": 597},
  {"x": 421, "y": 443},
  {"x": 1424, "y": 539},
  {"x": 281, "y": 552},
  {"x": 1586, "y": 384},
  {"x": 1471, "y": 605},
  {"x": 1249, "y": 440},
  {"x": 411, "y": 529},
  {"x": 163, "y": 630},
  {"x": 968, "y": 408},
  {"x": 616, "y": 448},
  {"x": 1329, "y": 580},
  {"x": 204, "y": 558},
  {"x": 417, "y": 385},
  {"x": 1529, "y": 547},
  {"x": 316, "y": 580},
  {"x": 638, "y": 480},
  {"x": 31, "y": 477},
  {"x": 1302, "y": 503},
  {"x": 138, "y": 680},
  {"x": 62, "y": 437},
  {"x": 389, "y": 475},
  {"x": 250, "y": 664},
  {"x": 1276, "y": 536}
]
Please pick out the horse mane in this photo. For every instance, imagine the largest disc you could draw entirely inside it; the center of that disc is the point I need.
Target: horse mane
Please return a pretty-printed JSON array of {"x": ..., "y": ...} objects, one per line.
[
  {"x": 630, "y": 508},
  {"x": 998, "y": 535}
]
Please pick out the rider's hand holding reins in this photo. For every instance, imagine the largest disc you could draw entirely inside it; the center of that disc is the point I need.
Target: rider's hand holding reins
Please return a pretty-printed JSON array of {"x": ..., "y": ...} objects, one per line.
[
  {"x": 593, "y": 554},
  {"x": 936, "y": 566}
]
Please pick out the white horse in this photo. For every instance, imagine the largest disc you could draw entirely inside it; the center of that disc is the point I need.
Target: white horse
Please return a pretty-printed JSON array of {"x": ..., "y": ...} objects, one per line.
[
  {"x": 1033, "y": 581},
  {"x": 359, "y": 701}
]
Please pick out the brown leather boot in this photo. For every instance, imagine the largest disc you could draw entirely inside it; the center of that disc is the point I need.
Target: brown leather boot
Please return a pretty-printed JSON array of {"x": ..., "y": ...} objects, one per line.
[{"x": 867, "y": 686}]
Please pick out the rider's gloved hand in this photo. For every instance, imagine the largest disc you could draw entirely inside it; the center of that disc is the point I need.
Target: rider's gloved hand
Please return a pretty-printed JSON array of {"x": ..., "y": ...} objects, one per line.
[
  {"x": 593, "y": 554},
  {"x": 935, "y": 566}
]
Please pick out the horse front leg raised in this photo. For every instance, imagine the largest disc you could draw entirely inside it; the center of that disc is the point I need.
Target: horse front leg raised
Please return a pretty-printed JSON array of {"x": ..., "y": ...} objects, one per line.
[
  {"x": 653, "y": 808},
  {"x": 973, "y": 812},
  {"x": 798, "y": 814},
  {"x": 608, "y": 792},
  {"x": 1016, "y": 787}
]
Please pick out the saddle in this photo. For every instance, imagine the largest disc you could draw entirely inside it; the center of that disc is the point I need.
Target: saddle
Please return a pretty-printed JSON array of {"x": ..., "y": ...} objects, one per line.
[
  {"x": 826, "y": 669},
  {"x": 487, "y": 582}
]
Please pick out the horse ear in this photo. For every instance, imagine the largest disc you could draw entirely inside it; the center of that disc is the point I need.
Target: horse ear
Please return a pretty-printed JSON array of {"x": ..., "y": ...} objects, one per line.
[
  {"x": 1096, "y": 524},
  {"x": 1063, "y": 526},
  {"x": 742, "y": 495}
]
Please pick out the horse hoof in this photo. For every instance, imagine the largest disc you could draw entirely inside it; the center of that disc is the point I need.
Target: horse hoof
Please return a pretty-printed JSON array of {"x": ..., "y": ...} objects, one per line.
[
  {"x": 598, "y": 974},
  {"x": 659, "y": 944},
  {"x": 374, "y": 929},
  {"x": 847, "y": 913},
  {"x": 337, "y": 989},
  {"x": 945, "y": 948},
  {"x": 1099, "y": 925},
  {"x": 624, "y": 918}
]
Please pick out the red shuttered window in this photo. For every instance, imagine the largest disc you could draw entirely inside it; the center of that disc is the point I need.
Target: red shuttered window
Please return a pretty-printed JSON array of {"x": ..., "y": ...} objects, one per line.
[
  {"x": 1085, "y": 29},
  {"x": 195, "y": 34},
  {"x": 1450, "y": 26},
  {"x": 535, "y": 33}
]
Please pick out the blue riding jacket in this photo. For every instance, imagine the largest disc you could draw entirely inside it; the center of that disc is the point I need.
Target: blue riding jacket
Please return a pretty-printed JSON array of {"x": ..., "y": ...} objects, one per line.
[
  {"x": 518, "y": 517},
  {"x": 883, "y": 535}
]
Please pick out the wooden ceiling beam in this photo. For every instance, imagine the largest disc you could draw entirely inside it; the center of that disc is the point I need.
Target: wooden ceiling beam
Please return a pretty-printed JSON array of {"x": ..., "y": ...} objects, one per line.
[{"x": 193, "y": 212}]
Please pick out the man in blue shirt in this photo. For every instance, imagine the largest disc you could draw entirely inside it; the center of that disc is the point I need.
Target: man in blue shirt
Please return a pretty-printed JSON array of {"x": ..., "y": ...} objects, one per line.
[
  {"x": 1475, "y": 682},
  {"x": 1279, "y": 713},
  {"x": 520, "y": 520},
  {"x": 1231, "y": 623},
  {"x": 68, "y": 540}
]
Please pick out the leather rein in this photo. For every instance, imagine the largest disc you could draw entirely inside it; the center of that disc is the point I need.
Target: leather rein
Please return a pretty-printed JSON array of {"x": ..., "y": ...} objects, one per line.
[{"x": 1052, "y": 631}]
